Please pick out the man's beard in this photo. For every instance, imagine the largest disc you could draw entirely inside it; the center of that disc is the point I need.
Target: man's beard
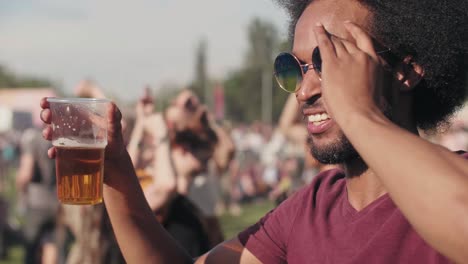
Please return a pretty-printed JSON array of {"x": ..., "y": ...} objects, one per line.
[
  {"x": 337, "y": 152},
  {"x": 341, "y": 150}
]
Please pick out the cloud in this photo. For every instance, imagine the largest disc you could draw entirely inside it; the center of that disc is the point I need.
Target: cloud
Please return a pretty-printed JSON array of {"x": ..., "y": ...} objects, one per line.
[{"x": 126, "y": 44}]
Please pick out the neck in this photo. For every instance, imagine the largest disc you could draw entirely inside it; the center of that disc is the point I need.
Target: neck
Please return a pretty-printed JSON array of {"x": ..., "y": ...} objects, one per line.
[{"x": 362, "y": 184}]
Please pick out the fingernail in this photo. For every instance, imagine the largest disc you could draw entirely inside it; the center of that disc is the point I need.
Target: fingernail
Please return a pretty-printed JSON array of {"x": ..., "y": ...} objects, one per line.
[{"x": 318, "y": 24}]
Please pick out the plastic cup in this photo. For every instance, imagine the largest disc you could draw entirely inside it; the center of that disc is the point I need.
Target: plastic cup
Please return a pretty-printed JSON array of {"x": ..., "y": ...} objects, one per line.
[{"x": 80, "y": 137}]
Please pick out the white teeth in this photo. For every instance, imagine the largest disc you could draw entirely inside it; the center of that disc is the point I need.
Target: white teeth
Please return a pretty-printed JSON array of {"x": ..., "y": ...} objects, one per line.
[{"x": 318, "y": 117}]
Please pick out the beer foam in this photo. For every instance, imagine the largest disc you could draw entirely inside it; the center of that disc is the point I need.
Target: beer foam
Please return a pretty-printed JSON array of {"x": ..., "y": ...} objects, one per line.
[{"x": 66, "y": 142}]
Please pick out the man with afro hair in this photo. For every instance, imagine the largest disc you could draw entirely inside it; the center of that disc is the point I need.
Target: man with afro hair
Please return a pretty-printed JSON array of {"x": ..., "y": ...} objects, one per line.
[{"x": 368, "y": 76}]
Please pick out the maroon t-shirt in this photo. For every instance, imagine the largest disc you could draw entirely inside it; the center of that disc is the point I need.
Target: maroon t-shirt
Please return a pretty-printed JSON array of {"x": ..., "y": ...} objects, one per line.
[{"x": 318, "y": 225}]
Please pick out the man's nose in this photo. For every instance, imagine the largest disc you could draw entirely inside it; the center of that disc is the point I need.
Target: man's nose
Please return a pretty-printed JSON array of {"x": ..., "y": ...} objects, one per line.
[{"x": 310, "y": 87}]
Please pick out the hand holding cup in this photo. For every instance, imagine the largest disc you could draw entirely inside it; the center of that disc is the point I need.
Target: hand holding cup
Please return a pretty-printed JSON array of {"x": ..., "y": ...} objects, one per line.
[{"x": 80, "y": 129}]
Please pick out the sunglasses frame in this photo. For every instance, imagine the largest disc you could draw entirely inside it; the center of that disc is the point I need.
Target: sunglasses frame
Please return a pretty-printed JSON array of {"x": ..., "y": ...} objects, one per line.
[
  {"x": 304, "y": 69},
  {"x": 316, "y": 66}
]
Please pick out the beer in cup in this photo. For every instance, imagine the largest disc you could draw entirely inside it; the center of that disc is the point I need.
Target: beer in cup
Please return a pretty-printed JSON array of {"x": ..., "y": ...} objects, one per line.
[{"x": 79, "y": 135}]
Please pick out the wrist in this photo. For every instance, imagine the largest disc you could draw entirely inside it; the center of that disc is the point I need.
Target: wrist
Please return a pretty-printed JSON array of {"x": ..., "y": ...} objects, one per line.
[
  {"x": 118, "y": 170},
  {"x": 347, "y": 114},
  {"x": 356, "y": 121}
]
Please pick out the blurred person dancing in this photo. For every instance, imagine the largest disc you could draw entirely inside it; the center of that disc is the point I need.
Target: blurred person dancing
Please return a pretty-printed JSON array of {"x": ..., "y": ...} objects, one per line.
[
  {"x": 205, "y": 187},
  {"x": 367, "y": 74},
  {"x": 168, "y": 150},
  {"x": 10, "y": 232},
  {"x": 35, "y": 183}
]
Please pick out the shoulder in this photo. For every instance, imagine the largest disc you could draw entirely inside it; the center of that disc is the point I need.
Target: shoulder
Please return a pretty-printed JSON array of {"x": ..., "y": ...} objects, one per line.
[
  {"x": 268, "y": 238},
  {"x": 324, "y": 184}
]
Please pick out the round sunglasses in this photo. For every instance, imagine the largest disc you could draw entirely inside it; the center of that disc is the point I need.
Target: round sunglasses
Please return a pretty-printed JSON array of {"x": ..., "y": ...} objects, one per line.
[{"x": 289, "y": 71}]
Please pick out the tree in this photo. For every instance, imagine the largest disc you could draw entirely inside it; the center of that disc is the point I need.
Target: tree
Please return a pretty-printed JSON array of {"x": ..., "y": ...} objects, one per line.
[
  {"x": 11, "y": 80},
  {"x": 253, "y": 86},
  {"x": 200, "y": 85},
  {"x": 165, "y": 94},
  {"x": 263, "y": 40}
]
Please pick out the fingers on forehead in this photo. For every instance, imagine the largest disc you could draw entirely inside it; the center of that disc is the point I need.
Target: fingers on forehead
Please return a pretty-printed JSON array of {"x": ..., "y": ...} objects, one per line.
[
  {"x": 350, "y": 46},
  {"x": 362, "y": 38},
  {"x": 326, "y": 46}
]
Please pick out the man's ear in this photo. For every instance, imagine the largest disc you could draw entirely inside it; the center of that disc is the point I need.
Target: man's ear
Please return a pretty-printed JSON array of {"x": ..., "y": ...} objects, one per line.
[{"x": 409, "y": 74}]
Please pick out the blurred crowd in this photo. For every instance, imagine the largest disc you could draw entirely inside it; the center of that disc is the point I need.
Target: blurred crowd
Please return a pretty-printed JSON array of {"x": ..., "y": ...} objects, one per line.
[{"x": 192, "y": 168}]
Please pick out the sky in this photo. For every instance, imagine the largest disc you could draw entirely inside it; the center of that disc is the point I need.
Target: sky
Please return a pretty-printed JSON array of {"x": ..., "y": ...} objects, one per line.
[{"x": 124, "y": 45}]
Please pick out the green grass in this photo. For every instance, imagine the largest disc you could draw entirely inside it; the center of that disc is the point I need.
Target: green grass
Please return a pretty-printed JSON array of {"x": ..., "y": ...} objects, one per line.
[
  {"x": 231, "y": 226},
  {"x": 15, "y": 256},
  {"x": 251, "y": 213}
]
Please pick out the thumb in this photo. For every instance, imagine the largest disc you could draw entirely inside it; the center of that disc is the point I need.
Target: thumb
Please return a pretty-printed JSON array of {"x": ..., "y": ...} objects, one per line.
[{"x": 114, "y": 125}]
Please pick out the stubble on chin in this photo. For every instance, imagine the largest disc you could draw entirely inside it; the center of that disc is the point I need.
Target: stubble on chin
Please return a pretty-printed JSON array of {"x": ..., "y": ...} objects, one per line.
[
  {"x": 340, "y": 150},
  {"x": 337, "y": 152}
]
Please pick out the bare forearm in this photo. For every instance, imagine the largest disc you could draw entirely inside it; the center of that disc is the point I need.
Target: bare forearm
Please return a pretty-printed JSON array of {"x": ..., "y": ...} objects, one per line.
[
  {"x": 135, "y": 140},
  {"x": 427, "y": 182},
  {"x": 225, "y": 150},
  {"x": 290, "y": 112},
  {"x": 164, "y": 174},
  {"x": 141, "y": 238},
  {"x": 164, "y": 187},
  {"x": 289, "y": 123}
]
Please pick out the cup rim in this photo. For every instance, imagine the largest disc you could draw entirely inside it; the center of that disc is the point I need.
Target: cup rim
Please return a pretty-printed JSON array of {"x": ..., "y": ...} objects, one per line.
[{"x": 77, "y": 100}]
